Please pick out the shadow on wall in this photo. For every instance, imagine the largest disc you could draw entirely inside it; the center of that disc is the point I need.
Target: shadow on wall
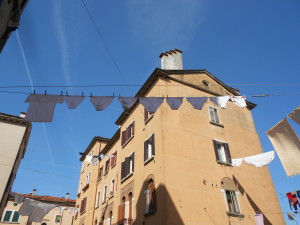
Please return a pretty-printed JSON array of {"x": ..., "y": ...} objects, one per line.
[
  {"x": 165, "y": 212},
  {"x": 252, "y": 203}
]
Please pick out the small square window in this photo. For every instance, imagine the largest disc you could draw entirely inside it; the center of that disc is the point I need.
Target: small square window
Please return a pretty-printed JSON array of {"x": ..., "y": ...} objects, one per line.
[
  {"x": 222, "y": 152},
  {"x": 149, "y": 148},
  {"x": 57, "y": 218},
  {"x": 214, "y": 115},
  {"x": 147, "y": 115}
]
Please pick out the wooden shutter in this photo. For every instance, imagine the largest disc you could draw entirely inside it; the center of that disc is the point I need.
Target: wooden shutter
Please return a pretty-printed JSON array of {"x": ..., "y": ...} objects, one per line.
[
  {"x": 126, "y": 166},
  {"x": 132, "y": 158},
  {"x": 145, "y": 115},
  {"x": 227, "y": 153},
  {"x": 122, "y": 170},
  {"x": 120, "y": 214},
  {"x": 216, "y": 149},
  {"x": 132, "y": 128},
  {"x": 123, "y": 137},
  {"x": 145, "y": 150},
  {"x": 153, "y": 144}
]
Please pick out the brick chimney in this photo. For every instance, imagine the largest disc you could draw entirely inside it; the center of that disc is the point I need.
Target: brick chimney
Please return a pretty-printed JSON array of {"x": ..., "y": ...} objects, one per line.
[{"x": 171, "y": 60}]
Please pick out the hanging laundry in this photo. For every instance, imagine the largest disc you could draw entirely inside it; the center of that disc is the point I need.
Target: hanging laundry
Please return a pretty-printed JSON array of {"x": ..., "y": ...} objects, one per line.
[
  {"x": 287, "y": 145},
  {"x": 73, "y": 100},
  {"x": 197, "y": 102},
  {"x": 71, "y": 211},
  {"x": 101, "y": 102},
  {"x": 39, "y": 211},
  {"x": 127, "y": 102},
  {"x": 27, "y": 207},
  {"x": 76, "y": 211},
  {"x": 291, "y": 216},
  {"x": 239, "y": 100},
  {"x": 95, "y": 160},
  {"x": 151, "y": 104},
  {"x": 220, "y": 101},
  {"x": 298, "y": 193},
  {"x": 293, "y": 200},
  {"x": 174, "y": 102},
  {"x": 236, "y": 162},
  {"x": 61, "y": 209},
  {"x": 295, "y": 115},
  {"x": 41, "y": 107},
  {"x": 259, "y": 219},
  {"x": 88, "y": 158},
  {"x": 260, "y": 159},
  {"x": 19, "y": 198}
]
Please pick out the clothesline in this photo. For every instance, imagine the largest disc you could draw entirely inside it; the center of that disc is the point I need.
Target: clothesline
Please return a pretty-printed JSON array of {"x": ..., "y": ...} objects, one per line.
[
  {"x": 258, "y": 160},
  {"x": 41, "y": 107}
]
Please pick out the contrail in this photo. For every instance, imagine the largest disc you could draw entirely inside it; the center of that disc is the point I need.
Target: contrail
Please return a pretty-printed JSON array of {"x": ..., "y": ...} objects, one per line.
[{"x": 31, "y": 83}]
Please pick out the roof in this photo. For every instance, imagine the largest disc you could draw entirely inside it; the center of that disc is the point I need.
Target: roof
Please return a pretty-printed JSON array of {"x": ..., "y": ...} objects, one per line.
[
  {"x": 14, "y": 119},
  {"x": 159, "y": 73},
  {"x": 50, "y": 199},
  {"x": 92, "y": 143}
]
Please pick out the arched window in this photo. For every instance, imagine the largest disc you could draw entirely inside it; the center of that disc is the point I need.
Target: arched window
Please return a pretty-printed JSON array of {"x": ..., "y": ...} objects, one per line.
[
  {"x": 110, "y": 218},
  {"x": 129, "y": 207},
  {"x": 150, "y": 195},
  {"x": 96, "y": 222}
]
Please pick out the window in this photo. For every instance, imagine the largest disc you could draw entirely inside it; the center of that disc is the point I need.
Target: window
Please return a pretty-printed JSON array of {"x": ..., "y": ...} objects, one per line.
[
  {"x": 147, "y": 115},
  {"x": 100, "y": 174},
  {"x": 57, "y": 218},
  {"x": 11, "y": 216},
  {"x": 232, "y": 202},
  {"x": 150, "y": 197},
  {"x": 104, "y": 194},
  {"x": 127, "y": 167},
  {"x": 106, "y": 166},
  {"x": 113, "y": 160},
  {"x": 82, "y": 166},
  {"x": 76, "y": 211},
  {"x": 112, "y": 188},
  {"x": 88, "y": 179},
  {"x": 83, "y": 205},
  {"x": 222, "y": 152},
  {"x": 97, "y": 199},
  {"x": 127, "y": 134},
  {"x": 149, "y": 151},
  {"x": 110, "y": 217},
  {"x": 214, "y": 115}
]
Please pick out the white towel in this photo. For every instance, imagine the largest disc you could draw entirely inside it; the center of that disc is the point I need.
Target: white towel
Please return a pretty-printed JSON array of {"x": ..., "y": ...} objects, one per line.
[
  {"x": 197, "y": 102},
  {"x": 127, "y": 102},
  {"x": 88, "y": 158},
  {"x": 151, "y": 104},
  {"x": 236, "y": 162},
  {"x": 73, "y": 100},
  {"x": 239, "y": 100},
  {"x": 174, "y": 102},
  {"x": 41, "y": 107},
  {"x": 260, "y": 160},
  {"x": 220, "y": 101},
  {"x": 101, "y": 102}
]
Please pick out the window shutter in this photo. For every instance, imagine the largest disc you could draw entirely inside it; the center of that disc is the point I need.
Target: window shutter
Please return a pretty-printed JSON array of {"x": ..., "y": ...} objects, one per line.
[
  {"x": 145, "y": 150},
  {"x": 153, "y": 144},
  {"x": 123, "y": 137},
  {"x": 122, "y": 170},
  {"x": 120, "y": 213},
  {"x": 126, "y": 166},
  {"x": 145, "y": 115},
  {"x": 216, "y": 149},
  {"x": 15, "y": 217},
  {"x": 132, "y": 158},
  {"x": 227, "y": 152},
  {"x": 132, "y": 128}
]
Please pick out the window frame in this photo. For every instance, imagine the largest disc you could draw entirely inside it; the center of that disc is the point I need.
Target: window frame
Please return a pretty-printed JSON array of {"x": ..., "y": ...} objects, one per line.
[
  {"x": 58, "y": 216},
  {"x": 225, "y": 153},
  {"x": 97, "y": 202},
  {"x": 216, "y": 113},
  {"x": 147, "y": 156},
  {"x": 147, "y": 116},
  {"x": 100, "y": 173},
  {"x": 113, "y": 160},
  {"x": 112, "y": 188},
  {"x": 104, "y": 194},
  {"x": 238, "y": 212},
  {"x": 107, "y": 166},
  {"x": 83, "y": 205},
  {"x": 130, "y": 167},
  {"x": 127, "y": 134},
  {"x": 150, "y": 193},
  {"x": 11, "y": 217}
]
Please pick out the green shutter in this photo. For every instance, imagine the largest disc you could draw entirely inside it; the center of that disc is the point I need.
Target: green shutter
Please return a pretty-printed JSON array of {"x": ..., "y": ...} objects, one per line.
[
  {"x": 15, "y": 217},
  {"x": 7, "y": 216}
]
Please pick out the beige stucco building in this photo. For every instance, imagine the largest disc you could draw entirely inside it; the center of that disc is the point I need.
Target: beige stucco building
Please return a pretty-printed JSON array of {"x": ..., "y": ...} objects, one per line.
[
  {"x": 174, "y": 166},
  {"x": 63, "y": 214},
  {"x": 14, "y": 137}
]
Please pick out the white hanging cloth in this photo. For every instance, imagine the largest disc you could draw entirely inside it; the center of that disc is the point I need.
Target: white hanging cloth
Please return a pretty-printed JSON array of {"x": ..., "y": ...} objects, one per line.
[
  {"x": 127, "y": 102},
  {"x": 260, "y": 160},
  {"x": 27, "y": 207},
  {"x": 239, "y": 100},
  {"x": 259, "y": 219},
  {"x": 151, "y": 104},
  {"x": 88, "y": 158},
  {"x": 73, "y": 100},
  {"x": 174, "y": 102},
  {"x": 287, "y": 145},
  {"x": 220, "y": 101},
  {"x": 61, "y": 209},
  {"x": 295, "y": 115},
  {"x": 197, "y": 102},
  {"x": 41, "y": 107},
  {"x": 39, "y": 211},
  {"x": 101, "y": 102},
  {"x": 236, "y": 162}
]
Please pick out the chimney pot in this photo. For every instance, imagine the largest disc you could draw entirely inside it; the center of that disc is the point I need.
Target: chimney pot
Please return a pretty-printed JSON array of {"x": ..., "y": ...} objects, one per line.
[
  {"x": 171, "y": 60},
  {"x": 22, "y": 115}
]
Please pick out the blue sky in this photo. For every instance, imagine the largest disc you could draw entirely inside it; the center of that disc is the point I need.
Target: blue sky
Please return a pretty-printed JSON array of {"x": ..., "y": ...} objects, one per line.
[{"x": 248, "y": 45}]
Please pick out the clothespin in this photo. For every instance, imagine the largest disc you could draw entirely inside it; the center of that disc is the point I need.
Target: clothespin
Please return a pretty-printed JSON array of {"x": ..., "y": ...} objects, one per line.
[
  {"x": 34, "y": 92},
  {"x": 45, "y": 92},
  {"x": 67, "y": 93}
]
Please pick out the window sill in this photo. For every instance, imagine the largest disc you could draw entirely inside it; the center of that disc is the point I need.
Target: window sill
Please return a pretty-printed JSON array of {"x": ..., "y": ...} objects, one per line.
[
  {"x": 100, "y": 179},
  {"x": 113, "y": 166},
  {"x": 217, "y": 124},
  {"x": 111, "y": 196},
  {"x": 149, "y": 160},
  {"x": 146, "y": 121},
  {"x": 103, "y": 202},
  {"x": 150, "y": 213},
  {"x": 82, "y": 212},
  {"x": 235, "y": 214},
  {"x": 85, "y": 187},
  {"x": 224, "y": 163},
  {"x": 125, "y": 178},
  {"x": 127, "y": 141},
  {"x": 106, "y": 173}
]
